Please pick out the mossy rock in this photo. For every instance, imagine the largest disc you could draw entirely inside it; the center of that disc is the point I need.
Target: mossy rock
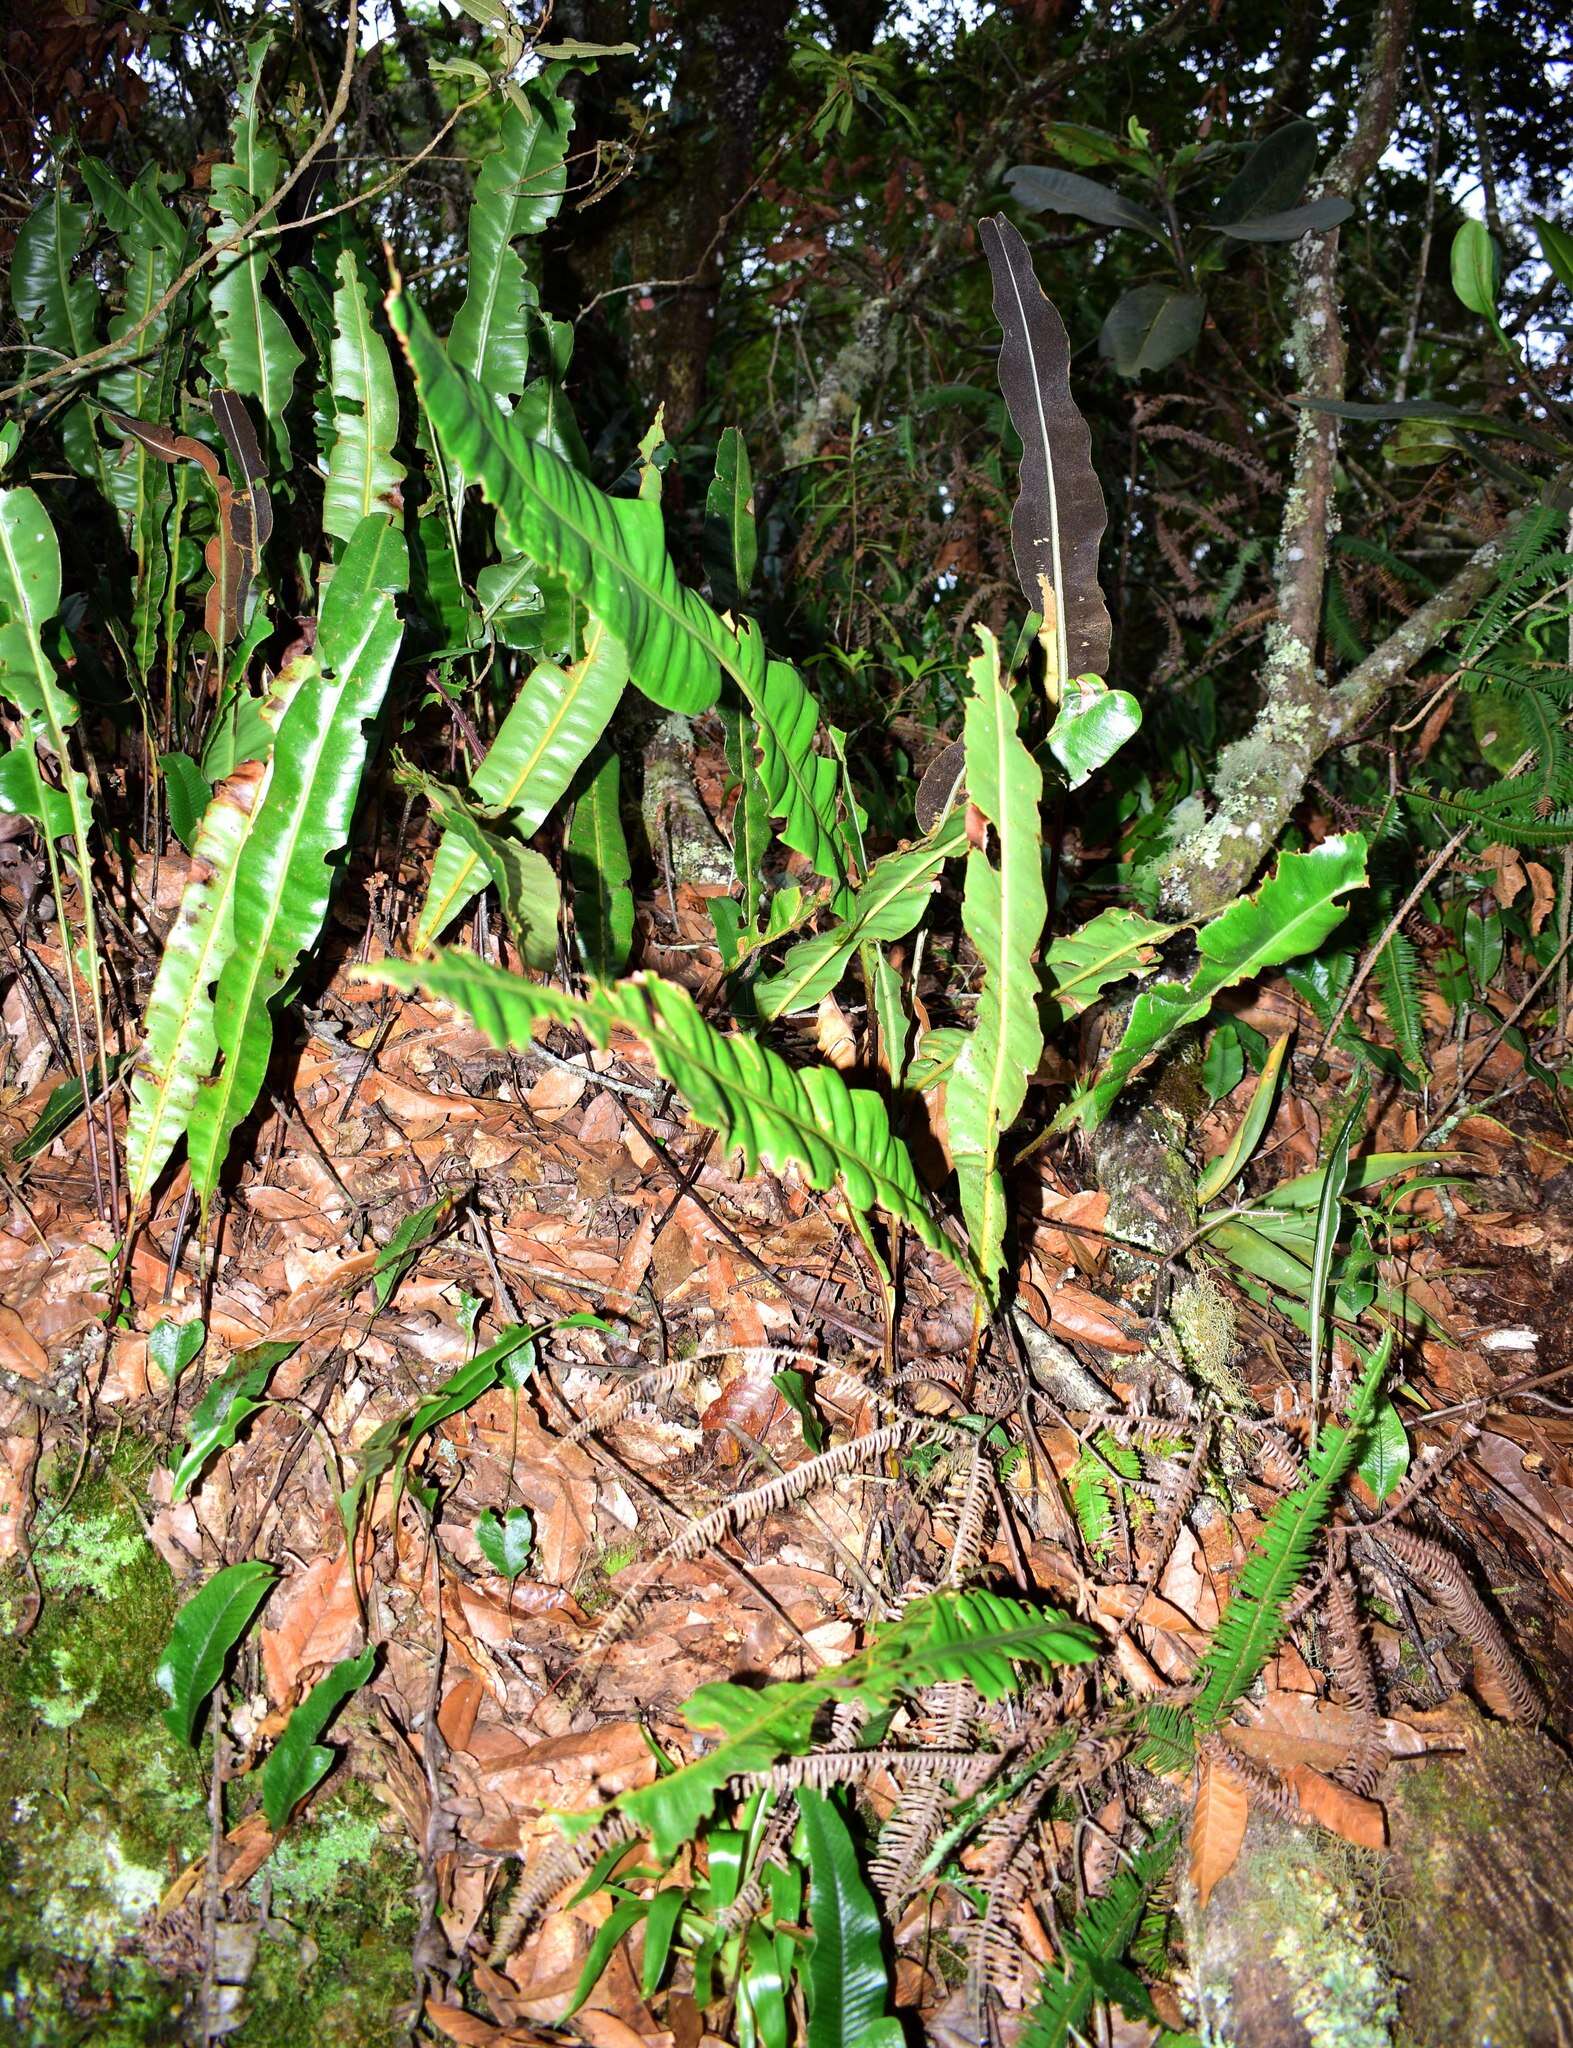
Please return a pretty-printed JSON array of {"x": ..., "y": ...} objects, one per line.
[
  {"x": 1458, "y": 1935},
  {"x": 100, "y": 1808},
  {"x": 1484, "y": 1934}
]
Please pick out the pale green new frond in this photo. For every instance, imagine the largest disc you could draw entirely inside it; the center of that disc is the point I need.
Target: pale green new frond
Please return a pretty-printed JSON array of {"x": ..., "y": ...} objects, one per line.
[
  {"x": 888, "y": 904},
  {"x": 541, "y": 745},
  {"x": 773, "y": 1114},
  {"x": 1003, "y": 910},
  {"x": 363, "y": 476}
]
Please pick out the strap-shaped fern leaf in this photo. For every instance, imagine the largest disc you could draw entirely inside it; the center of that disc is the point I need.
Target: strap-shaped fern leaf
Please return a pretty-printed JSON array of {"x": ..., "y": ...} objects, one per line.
[
  {"x": 1252, "y": 1625},
  {"x": 887, "y": 906},
  {"x": 1291, "y": 913},
  {"x": 800, "y": 785},
  {"x": 1117, "y": 942},
  {"x": 179, "y": 1041},
  {"x": 603, "y": 903},
  {"x": 286, "y": 871},
  {"x": 612, "y": 554},
  {"x": 1397, "y": 976},
  {"x": 541, "y": 745},
  {"x": 363, "y": 476},
  {"x": 1003, "y": 910},
  {"x": 255, "y": 345},
  {"x": 1093, "y": 1945},
  {"x": 774, "y": 1114},
  {"x": 611, "y": 551},
  {"x": 518, "y": 192}
]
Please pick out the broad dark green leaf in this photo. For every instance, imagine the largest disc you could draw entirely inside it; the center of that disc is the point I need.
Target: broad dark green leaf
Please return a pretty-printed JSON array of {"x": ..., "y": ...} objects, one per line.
[
  {"x": 1151, "y": 327},
  {"x": 600, "y": 871},
  {"x": 1090, "y": 726},
  {"x": 1041, "y": 190},
  {"x": 1274, "y": 174},
  {"x": 1327, "y": 212},
  {"x": 298, "y": 1762},
  {"x": 1384, "y": 1450},
  {"x": 1556, "y": 247},
  {"x": 506, "y": 1544},
  {"x": 171, "y": 1346},
  {"x": 730, "y": 544},
  {"x": 207, "y": 1628}
]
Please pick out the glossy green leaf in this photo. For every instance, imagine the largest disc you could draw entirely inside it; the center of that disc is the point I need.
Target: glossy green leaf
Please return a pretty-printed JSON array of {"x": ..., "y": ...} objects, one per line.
[
  {"x": 59, "y": 313},
  {"x": 1223, "y": 1064},
  {"x": 543, "y": 742},
  {"x": 1369, "y": 1171},
  {"x": 171, "y": 1346},
  {"x": 1003, "y": 911},
  {"x": 1556, "y": 249},
  {"x": 179, "y": 1035},
  {"x": 1476, "y": 269},
  {"x": 1384, "y": 1450},
  {"x": 298, "y": 1762},
  {"x": 1151, "y": 327},
  {"x": 285, "y": 872},
  {"x": 730, "y": 542},
  {"x": 844, "y": 1975},
  {"x": 363, "y": 476},
  {"x": 620, "y": 1921},
  {"x": 227, "y": 1405},
  {"x": 1238, "y": 1153},
  {"x": 1330, "y": 211},
  {"x": 1043, "y": 190},
  {"x": 1329, "y": 1220},
  {"x": 666, "y": 1909},
  {"x": 611, "y": 551},
  {"x": 1291, "y": 913},
  {"x": 256, "y": 351},
  {"x": 1116, "y": 943},
  {"x": 519, "y": 191},
  {"x": 506, "y": 1544},
  {"x": 525, "y": 880},
  {"x": 207, "y": 1628},
  {"x": 600, "y": 871},
  {"x": 1090, "y": 726},
  {"x": 888, "y": 905},
  {"x": 187, "y": 794},
  {"x": 1273, "y": 175}
]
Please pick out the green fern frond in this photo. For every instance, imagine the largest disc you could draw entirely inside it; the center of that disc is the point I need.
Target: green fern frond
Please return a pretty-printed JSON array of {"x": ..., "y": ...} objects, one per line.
[
  {"x": 1397, "y": 976},
  {"x": 1093, "y": 1948},
  {"x": 1253, "y": 1623}
]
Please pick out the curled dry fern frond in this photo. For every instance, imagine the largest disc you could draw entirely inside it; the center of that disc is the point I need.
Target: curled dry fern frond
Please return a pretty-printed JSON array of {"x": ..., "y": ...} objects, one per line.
[{"x": 1447, "y": 1584}]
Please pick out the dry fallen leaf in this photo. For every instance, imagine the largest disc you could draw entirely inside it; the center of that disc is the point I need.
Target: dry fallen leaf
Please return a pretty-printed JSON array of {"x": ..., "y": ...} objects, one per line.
[
  {"x": 1345, "y": 1813},
  {"x": 1223, "y": 1807}
]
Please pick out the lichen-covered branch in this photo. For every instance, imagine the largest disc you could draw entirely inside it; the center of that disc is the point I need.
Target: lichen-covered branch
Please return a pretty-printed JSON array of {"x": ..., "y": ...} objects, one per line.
[{"x": 1259, "y": 780}]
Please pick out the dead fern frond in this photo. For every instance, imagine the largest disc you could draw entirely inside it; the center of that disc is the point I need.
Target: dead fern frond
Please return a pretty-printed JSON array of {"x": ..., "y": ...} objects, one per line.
[
  {"x": 964, "y": 1768},
  {"x": 1176, "y": 1497},
  {"x": 971, "y": 1516},
  {"x": 610, "y": 1408},
  {"x": 1260, "y": 1780},
  {"x": 557, "y": 1869},
  {"x": 908, "y": 1834},
  {"x": 1448, "y": 1586},
  {"x": 1350, "y": 1655}
]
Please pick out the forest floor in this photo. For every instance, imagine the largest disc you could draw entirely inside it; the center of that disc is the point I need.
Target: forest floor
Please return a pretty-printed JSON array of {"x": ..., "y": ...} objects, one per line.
[{"x": 564, "y": 1180}]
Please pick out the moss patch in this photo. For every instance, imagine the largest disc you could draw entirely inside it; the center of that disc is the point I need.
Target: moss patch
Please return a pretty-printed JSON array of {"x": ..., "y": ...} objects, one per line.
[{"x": 100, "y": 1808}]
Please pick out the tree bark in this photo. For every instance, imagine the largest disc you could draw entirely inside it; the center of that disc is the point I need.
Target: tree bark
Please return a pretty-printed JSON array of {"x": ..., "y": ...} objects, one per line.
[
  {"x": 664, "y": 231},
  {"x": 1261, "y": 778}
]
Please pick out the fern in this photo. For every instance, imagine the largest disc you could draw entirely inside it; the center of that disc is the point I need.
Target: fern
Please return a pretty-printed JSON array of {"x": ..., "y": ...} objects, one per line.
[
  {"x": 1397, "y": 976},
  {"x": 976, "y": 1636},
  {"x": 1093, "y": 1949},
  {"x": 1253, "y": 1623}
]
